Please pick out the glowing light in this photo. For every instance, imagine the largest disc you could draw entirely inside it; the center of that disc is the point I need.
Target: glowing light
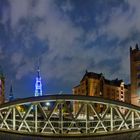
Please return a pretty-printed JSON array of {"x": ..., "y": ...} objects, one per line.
[
  {"x": 38, "y": 85},
  {"x": 47, "y": 104},
  {"x": 20, "y": 108}
]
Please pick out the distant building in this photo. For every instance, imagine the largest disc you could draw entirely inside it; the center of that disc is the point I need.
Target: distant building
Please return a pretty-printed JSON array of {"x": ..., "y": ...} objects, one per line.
[
  {"x": 11, "y": 96},
  {"x": 93, "y": 84},
  {"x": 135, "y": 75},
  {"x": 2, "y": 88}
]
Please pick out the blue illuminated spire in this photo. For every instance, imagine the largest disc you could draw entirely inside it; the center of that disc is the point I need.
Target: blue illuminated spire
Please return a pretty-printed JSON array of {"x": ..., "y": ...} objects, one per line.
[{"x": 38, "y": 85}]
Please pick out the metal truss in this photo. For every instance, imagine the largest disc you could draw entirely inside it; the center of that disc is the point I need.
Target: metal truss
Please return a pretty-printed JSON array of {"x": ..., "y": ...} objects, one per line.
[{"x": 68, "y": 115}]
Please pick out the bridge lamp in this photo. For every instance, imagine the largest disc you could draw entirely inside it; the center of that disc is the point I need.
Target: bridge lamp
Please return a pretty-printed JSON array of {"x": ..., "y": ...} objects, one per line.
[
  {"x": 18, "y": 107},
  {"x": 48, "y": 104}
]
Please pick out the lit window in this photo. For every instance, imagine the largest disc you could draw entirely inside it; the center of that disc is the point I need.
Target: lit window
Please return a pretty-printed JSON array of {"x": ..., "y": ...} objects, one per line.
[{"x": 101, "y": 93}]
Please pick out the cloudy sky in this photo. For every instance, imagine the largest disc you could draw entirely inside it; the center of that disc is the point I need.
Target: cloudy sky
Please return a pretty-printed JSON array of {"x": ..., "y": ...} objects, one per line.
[{"x": 68, "y": 37}]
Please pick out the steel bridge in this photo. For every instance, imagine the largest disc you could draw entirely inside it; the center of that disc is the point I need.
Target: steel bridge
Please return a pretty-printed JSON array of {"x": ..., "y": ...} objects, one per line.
[{"x": 68, "y": 115}]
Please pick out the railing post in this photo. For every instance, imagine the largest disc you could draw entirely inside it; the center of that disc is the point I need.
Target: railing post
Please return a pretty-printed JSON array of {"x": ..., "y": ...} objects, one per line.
[
  {"x": 14, "y": 118},
  {"x": 87, "y": 117},
  {"x": 111, "y": 118},
  {"x": 133, "y": 121},
  {"x": 61, "y": 117},
  {"x": 35, "y": 117}
]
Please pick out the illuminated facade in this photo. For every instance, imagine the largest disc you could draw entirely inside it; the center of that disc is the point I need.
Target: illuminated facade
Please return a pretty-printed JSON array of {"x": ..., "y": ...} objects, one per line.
[
  {"x": 135, "y": 75},
  {"x": 93, "y": 84},
  {"x": 38, "y": 84},
  {"x": 2, "y": 88}
]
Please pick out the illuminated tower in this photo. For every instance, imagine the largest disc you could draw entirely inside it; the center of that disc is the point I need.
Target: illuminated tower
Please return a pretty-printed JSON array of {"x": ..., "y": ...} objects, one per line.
[
  {"x": 11, "y": 97},
  {"x": 135, "y": 75},
  {"x": 38, "y": 85}
]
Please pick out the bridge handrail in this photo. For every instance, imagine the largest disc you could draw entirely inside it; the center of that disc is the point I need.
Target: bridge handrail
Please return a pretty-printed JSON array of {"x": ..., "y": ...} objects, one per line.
[{"x": 69, "y": 97}]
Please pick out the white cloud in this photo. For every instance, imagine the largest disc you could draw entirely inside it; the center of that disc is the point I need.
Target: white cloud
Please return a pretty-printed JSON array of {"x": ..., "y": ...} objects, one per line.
[
  {"x": 19, "y": 10},
  {"x": 67, "y": 6},
  {"x": 24, "y": 69},
  {"x": 54, "y": 28},
  {"x": 67, "y": 57},
  {"x": 122, "y": 23},
  {"x": 16, "y": 58},
  {"x": 5, "y": 15}
]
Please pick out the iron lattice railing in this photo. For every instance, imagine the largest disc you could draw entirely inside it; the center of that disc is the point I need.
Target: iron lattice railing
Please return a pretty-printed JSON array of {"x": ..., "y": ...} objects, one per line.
[{"x": 68, "y": 115}]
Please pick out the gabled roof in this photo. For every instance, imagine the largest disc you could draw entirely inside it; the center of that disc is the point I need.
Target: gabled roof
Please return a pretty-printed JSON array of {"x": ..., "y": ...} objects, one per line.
[
  {"x": 76, "y": 86},
  {"x": 114, "y": 82},
  {"x": 92, "y": 75}
]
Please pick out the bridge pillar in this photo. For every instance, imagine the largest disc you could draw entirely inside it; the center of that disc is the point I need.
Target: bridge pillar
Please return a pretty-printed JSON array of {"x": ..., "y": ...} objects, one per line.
[
  {"x": 111, "y": 118},
  {"x": 61, "y": 117},
  {"x": 87, "y": 117},
  {"x": 35, "y": 117},
  {"x": 14, "y": 118},
  {"x": 133, "y": 117}
]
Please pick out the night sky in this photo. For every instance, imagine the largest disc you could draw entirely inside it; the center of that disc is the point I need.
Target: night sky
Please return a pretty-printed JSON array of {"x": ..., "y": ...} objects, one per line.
[{"x": 67, "y": 37}]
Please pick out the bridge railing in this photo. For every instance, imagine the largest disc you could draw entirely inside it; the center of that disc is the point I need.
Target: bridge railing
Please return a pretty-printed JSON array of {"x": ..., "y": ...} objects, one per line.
[{"x": 68, "y": 115}]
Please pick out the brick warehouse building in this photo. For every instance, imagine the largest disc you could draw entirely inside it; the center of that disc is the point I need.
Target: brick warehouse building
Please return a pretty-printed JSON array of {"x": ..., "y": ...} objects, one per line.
[{"x": 93, "y": 84}]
